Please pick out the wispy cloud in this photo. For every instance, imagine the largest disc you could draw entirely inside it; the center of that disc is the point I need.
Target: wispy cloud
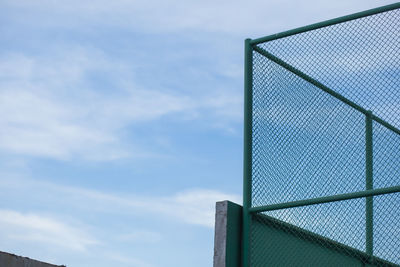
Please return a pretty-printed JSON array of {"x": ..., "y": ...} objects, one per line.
[
  {"x": 78, "y": 102},
  {"x": 36, "y": 228},
  {"x": 52, "y": 107},
  {"x": 193, "y": 206},
  {"x": 74, "y": 219},
  {"x": 231, "y": 17}
]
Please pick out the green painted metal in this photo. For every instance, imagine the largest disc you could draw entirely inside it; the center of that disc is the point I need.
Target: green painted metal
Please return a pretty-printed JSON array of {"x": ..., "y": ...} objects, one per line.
[
  {"x": 309, "y": 79},
  {"x": 323, "y": 87},
  {"x": 247, "y": 158},
  {"x": 294, "y": 242},
  {"x": 369, "y": 228},
  {"x": 327, "y": 199},
  {"x": 274, "y": 83},
  {"x": 233, "y": 238},
  {"x": 299, "y": 247},
  {"x": 386, "y": 124},
  {"x": 326, "y": 23}
]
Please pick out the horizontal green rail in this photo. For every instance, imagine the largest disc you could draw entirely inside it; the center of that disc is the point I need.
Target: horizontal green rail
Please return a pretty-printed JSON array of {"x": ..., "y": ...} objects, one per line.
[
  {"x": 326, "y": 23},
  {"x": 327, "y": 199},
  {"x": 323, "y": 87}
]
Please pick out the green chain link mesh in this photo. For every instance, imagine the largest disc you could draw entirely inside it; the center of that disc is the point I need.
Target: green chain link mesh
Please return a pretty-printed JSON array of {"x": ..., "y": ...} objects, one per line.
[{"x": 309, "y": 144}]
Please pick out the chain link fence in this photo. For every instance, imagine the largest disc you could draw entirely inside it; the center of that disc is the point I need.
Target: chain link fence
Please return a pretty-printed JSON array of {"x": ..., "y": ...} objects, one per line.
[{"x": 323, "y": 120}]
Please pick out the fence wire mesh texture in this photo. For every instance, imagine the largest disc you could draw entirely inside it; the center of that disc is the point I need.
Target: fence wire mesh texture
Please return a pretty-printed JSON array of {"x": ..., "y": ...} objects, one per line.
[{"x": 322, "y": 141}]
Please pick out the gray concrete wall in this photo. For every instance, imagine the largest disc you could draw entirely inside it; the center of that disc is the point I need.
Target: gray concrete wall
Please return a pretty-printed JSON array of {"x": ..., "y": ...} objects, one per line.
[
  {"x": 221, "y": 212},
  {"x": 11, "y": 260}
]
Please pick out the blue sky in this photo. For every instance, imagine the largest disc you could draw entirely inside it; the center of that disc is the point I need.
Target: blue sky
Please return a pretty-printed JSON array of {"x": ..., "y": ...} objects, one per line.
[{"x": 121, "y": 123}]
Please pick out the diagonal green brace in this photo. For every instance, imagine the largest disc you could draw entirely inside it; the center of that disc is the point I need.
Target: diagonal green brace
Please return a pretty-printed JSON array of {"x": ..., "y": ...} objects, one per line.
[{"x": 323, "y": 87}]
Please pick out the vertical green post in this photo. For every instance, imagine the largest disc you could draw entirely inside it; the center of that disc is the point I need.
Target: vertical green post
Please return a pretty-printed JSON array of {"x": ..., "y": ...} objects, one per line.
[
  {"x": 247, "y": 155},
  {"x": 369, "y": 184}
]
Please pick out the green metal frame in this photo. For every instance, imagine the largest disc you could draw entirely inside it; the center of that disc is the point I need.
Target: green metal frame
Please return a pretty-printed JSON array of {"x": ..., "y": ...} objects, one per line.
[
  {"x": 324, "y": 88},
  {"x": 320, "y": 245},
  {"x": 368, "y": 194},
  {"x": 369, "y": 184},
  {"x": 327, "y": 199},
  {"x": 326, "y": 23},
  {"x": 247, "y": 158}
]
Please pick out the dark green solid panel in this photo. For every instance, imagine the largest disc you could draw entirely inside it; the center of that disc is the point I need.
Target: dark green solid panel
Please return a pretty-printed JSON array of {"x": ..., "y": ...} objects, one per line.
[
  {"x": 281, "y": 244},
  {"x": 233, "y": 235}
]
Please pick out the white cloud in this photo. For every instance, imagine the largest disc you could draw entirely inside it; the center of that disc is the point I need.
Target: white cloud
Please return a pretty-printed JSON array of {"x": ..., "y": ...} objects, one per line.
[
  {"x": 194, "y": 206},
  {"x": 87, "y": 223},
  {"x": 36, "y": 228},
  {"x": 233, "y": 17},
  {"x": 50, "y": 106},
  {"x": 198, "y": 206}
]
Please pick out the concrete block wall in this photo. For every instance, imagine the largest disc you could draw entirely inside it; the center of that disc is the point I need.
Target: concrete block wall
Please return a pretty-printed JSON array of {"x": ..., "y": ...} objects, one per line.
[{"x": 11, "y": 260}]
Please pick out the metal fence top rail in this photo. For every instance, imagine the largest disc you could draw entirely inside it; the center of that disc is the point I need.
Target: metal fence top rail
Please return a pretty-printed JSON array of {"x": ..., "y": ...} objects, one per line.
[{"x": 325, "y": 23}]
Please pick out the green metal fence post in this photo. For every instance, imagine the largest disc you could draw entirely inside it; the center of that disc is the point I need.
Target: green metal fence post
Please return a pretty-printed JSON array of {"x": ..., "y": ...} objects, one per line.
[
  {"x": 247, "y": 155},
  {"x": 286, "y": 173},
  {"x": 368, "y": 184}
]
